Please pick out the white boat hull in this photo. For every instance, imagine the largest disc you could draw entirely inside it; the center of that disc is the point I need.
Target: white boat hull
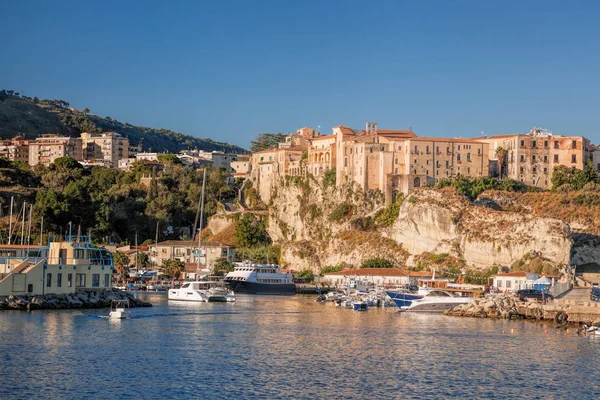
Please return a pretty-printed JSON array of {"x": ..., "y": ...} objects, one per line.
[
  {"x": 119, "y": 314},
  {"x": 188, "y": 295}
]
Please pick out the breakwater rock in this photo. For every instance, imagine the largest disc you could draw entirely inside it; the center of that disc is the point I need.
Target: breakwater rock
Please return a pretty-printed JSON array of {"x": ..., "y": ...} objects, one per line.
[
  {"x": 497, "y": 307},
  {"x": 510, "y": 307},
  {"x": 79, "y": 299}
]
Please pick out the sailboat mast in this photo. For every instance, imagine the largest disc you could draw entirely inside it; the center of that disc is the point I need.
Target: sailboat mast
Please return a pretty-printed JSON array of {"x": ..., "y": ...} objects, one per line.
[
  {"x": 29, "y": 225},
  {"x": 12, "y": 202},
  {"x": 23, "y": 223},
  {"x": 201, "y": 215}
]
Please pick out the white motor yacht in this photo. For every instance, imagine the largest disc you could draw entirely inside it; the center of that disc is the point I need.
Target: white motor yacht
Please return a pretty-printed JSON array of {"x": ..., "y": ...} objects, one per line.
[
  {"x": 202, "y": 291},
  {"x": 437, "y": 301}
]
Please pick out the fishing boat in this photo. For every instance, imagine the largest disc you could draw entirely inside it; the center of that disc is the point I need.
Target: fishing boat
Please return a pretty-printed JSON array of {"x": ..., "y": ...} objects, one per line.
[
  {"x": 260, "y": 279},
  {"x": 119, "y": 309},
  {"x": 437, "y": 301}
]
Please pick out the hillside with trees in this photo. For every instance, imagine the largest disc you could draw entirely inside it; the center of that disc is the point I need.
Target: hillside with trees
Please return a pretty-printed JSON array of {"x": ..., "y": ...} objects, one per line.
[{"x": 31, "y": 117}]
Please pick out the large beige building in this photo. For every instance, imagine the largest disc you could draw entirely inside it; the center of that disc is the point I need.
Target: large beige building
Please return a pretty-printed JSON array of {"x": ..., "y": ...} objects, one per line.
[
  {"x": 108, "y": 146},
  {"x": 398, "y": 161},
  {"x": 47, "y": 148},
  {"x": 395, "y": 161},
  {"x": 530, "y": 158},
  {"x": 187, "y": 252}
]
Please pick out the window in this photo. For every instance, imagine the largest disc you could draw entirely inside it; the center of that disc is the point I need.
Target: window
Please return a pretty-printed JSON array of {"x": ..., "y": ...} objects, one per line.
[
  {"x": 478, "y": 152},
  {"x": 468, "y": 156},
  {"x": 499, "y": 283},
  {"x": 95, "y": 280},
  {"x": 58, "y": 280},
  {"x": 399, "y": 148},
  {"x": 534, "y": 170},
  {"x": 396, "y": 171},
  {"x": 521, "y": 169},
  {"x": 533, "y": 158},
  {"x": 533, "y": 144},
  {"x": 556, "y": 158},
  {"x": 545, "y": 170},
  {"x": 574, "y": 144},
  {"x": 508, "y": 284},
  {"x": 522, "y": 143},
  {"x": 427, "y": 149},
  {"x": 522, "y": 157},
  {"x": 447, "y": 164},
  {"x": 545, "y": 158},
  {"x": 556, "y": 144},
  {"x": 396, "y": 162},
  {"x": 106, "y": 280},
  {"x": 48, "y": 280},
  {"x": 459, "y": 147},
  {"x": 468, "y": 170},
  {"x": 437, "y": 149},
  {"x": 416, "y": 161},
  {"x": 80, "y": 280},
  {"x": 458, "y": 157},
  {"x": 69, "y": 280},
  {"x": 573, "y": 158},
  {"x": 545, "y": 144},
  {"x": 79, "y": 253},
  {"x": 416, "y": 149}
]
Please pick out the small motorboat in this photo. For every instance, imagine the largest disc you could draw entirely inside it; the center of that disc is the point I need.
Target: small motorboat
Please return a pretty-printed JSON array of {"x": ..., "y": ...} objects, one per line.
[
  {"x": 220, "y": 294},
  {"x": 360, "y": 305},
  {"x": 119, "y": 309}
]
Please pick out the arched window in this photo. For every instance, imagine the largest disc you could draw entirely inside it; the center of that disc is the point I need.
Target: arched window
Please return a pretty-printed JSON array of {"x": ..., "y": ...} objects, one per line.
[{"x": 417, "y": 182}]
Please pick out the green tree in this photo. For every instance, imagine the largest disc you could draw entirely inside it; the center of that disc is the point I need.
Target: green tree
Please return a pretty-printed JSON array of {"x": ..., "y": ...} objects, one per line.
[
  {"x": 169, "y": 158},
  {"x": 250, "y": 231},
  {"x": 121, "y": 261},
  {"x": 221, "y": 266},
  {"x": 377, "y": 262},
  {"x": 143, "y": 260},
  {"x": 264, "y": 141},
  {"x": 306, "y": 274},
  {"x": 172, "y": 268},
  {"x": 86, "y": 110}
]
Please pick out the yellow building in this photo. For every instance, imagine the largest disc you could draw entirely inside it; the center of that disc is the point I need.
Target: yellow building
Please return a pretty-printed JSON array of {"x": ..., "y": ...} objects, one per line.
[
  {"x": 60, "y": 267},
  {"x": 530, "y": 158}
]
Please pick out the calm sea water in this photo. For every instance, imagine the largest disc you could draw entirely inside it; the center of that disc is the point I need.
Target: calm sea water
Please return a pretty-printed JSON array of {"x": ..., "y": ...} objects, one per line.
[{"x": 287, "y": 347}]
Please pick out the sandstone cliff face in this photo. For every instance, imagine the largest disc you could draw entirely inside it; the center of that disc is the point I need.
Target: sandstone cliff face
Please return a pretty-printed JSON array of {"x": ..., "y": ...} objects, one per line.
[
  {"x": 497, "y": 230},
  {"x": 436, "y": 222}
]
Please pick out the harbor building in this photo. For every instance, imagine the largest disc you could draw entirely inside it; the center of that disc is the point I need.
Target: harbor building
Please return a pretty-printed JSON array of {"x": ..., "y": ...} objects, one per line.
[
  {"x": 387, "y": 277},
  {"x": 186, "y": 251},
  {"x": 58, "y": 267}
]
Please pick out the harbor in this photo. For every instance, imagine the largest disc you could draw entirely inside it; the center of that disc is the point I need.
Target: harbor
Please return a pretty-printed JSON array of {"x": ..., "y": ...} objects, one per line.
[{"x": 271, "y": 346}]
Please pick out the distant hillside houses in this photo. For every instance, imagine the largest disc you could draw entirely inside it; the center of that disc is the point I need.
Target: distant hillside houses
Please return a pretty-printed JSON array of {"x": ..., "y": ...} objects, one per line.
[
  {"x": 108, "y": 149},
  {"x": 399, "y": 161}
]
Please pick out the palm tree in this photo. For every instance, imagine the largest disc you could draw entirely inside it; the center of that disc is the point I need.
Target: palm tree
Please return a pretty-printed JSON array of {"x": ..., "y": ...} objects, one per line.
[
  {"x": 172, "y": 268},
  {"x": 121, "y": 261},
  {"x": 501, "y": 155}
]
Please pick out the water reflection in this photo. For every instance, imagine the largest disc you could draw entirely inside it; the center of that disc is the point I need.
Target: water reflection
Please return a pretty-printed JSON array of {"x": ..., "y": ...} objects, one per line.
[{"x": 286, "y": 347}]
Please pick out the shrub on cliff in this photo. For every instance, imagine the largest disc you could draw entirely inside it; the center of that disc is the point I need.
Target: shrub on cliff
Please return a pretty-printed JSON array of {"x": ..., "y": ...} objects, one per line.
[
  {"x": 330, "y": 268},
  {"x": 250, "y": 231},
  {"x": 471, "y": 188},
  {"x": 377, "y": 262},
  {"x": 341, "y": 211},
  {"x": 329, "y": 178},
  {"x": 306, "y": 274},
  {"x": 388, "y": 215}
]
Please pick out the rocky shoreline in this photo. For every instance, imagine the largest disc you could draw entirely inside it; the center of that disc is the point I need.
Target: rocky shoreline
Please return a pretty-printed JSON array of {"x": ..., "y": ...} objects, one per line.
[
  {"x": 510, "y": 307},
  {"x": 81, "y": 299}
]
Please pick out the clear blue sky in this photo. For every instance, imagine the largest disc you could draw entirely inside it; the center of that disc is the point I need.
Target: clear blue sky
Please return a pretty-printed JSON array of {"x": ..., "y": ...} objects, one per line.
[{"x": 231, "y": 69}]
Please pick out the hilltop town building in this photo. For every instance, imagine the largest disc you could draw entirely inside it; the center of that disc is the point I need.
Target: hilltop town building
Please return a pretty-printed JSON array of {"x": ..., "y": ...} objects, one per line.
[
  {"x": 530, "y": 158},
  {"x": 108, "y": 146},
  {"x": 47, "y": 148}
]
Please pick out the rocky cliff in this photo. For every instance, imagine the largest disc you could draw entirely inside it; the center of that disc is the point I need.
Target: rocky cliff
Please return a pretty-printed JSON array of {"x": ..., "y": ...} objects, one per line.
[
  {"x": 317, "y": 224},
  {"x": 437, "y": 221}
]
